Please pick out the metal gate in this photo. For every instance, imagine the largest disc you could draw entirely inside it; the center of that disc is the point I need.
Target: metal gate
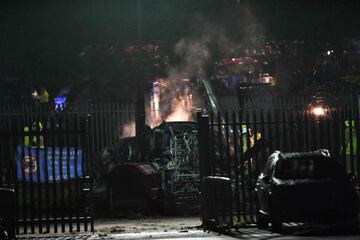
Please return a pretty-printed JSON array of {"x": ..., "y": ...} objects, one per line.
[
  {"x": 44, "y": 157},
  {"x": 234, "y": 146}
]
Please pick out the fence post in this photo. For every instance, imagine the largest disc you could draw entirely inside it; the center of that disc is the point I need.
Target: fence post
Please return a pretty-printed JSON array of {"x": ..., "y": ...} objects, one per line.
[
  {"x": 356, "y": 100},
  {"x": 204, "y": 157}
]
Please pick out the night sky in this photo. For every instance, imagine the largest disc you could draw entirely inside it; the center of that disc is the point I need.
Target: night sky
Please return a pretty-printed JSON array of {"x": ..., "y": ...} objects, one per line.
[{"x": 41, "y": 40}]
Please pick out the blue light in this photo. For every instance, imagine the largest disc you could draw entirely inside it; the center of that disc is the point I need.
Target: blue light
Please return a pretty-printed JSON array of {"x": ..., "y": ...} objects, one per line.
[{"x": 60, "y": 103}]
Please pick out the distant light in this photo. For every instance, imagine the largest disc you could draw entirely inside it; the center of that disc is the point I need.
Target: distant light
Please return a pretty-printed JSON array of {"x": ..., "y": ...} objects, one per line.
[
  {"x": 233, "y": 59},
  {"x": 34, "y": 94},
  {"x": 318, "y": 111},
  {"x": 60, "y": 103},
  {"x": 328, "y": 52}
]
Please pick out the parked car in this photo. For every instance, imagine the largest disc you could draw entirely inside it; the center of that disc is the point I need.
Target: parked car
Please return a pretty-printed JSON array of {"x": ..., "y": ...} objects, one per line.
[{"x": 305, "y": 187}]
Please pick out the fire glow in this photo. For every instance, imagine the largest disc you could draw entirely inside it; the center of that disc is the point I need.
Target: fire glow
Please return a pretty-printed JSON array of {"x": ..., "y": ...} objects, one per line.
[
  {"x": 128, "y": 130},
  {"x": 180, "y": 112},
  {"x": 170, "y": 101}
]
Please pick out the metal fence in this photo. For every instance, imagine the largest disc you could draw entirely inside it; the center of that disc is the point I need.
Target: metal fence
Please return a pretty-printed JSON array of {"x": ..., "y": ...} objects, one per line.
[
  {"x": 106, "y": 121},
  {"x": 234, "y": 146},
  {"x": 47, "y": 157}
]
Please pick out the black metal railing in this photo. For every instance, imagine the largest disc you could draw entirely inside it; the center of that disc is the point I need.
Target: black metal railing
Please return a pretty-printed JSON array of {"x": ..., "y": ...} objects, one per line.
[
  {"x": 47, "y": 158},
  {"x": 233, "y": 147}
]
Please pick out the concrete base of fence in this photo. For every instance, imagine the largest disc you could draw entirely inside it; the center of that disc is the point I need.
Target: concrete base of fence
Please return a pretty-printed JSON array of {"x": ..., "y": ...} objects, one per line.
[{"x": 216, "y": 201}]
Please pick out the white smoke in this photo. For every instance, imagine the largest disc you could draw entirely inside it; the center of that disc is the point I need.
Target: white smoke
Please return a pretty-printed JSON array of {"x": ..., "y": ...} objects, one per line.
[{"x": 205, "y": 42}]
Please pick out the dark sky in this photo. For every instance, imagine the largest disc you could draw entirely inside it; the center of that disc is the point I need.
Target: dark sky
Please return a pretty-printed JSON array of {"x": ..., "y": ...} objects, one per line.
[
  {"x": 48, "y": 34},
  {"x": 63, "y": 23}
]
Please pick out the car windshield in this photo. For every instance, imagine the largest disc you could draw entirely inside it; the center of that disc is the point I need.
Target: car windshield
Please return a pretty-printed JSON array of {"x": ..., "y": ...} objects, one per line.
[{"x": 308, "y": 169}]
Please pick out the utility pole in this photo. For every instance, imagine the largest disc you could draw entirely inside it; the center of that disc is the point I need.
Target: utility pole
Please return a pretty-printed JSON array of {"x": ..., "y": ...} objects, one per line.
[{"x": 140, "y": 98}]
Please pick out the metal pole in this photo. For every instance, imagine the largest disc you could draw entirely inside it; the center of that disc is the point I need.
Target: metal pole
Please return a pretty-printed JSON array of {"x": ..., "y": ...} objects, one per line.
[{"x": 140, "y": 99}]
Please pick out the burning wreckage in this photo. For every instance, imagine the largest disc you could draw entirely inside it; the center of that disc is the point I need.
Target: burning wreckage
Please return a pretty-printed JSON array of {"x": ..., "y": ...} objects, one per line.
[{"x": 170, "y": 177}]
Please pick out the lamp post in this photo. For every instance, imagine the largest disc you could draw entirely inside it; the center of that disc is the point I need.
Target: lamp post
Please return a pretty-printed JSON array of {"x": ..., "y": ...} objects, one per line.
[{"x": 140, "y": 99}]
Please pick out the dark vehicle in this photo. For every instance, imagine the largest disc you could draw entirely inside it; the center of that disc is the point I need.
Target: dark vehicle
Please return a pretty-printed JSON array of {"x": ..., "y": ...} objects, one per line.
[
  {"x": 305, "y": 187},
  {"x": 172, "y": 151}
]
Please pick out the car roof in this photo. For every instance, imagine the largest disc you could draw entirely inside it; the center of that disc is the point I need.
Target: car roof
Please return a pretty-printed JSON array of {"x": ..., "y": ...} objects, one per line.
[
  {"x": 321, "y": 154},
  {"x": 318, "y": 154}
]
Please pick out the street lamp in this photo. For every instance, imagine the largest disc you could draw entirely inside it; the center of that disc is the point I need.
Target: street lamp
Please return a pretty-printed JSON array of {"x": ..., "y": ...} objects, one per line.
[{"x": 319, "y": 110}]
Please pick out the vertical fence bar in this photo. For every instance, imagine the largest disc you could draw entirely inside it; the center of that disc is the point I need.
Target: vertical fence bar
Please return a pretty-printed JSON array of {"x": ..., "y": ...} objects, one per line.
[
  {"x": 314, "y": 133},
  {"x": 23, "y": 184},
  {"x": 102, "y": 115},
  {"x": 112, "y": 123},
  {"x": 69, "y": 202},
  {"x": 357, "y": 132},
  {"x": 86, "y": 173},
  {"x": 284, "y": 130},
  {"x": 337, "y": 134},
  {"x": 212, "y": 160},
  {"x": 227, "y": 141},
  {"x": 12, "y": 140},
  {"x": 55, "y": 180},
  {"x": 228, "y": 165},
  {"x": 203, "y": 140},
  {"x": 92, "y": 175},
  {"x": 329, "y": 131},
  {"x": 31, "y": 177},
  {"x": 97, "y": 125},
  {"x": 5, "y": 150},
  {"x": 249, "y": 166},
  {"x": 270, "y": 129},
  {"x": 264, "y": 141},
  {"x": 306, "y": 130},
  {"x": 343, "y": 139},
  {"x": 77, "y": 177},
  {"x": 321, "y": 134},
  {"x": 62, "y": 129},
  {"x": 277, "y": 130},
  {"x": 107, "y": 126},
  {"x": 220, "y": 144},
  {"x": 40, "y": 144},
  {"x": 300, "y": 123},
  {"x": 2, "y": 150},
  {"x": 46, "y": 175},
  {"x": 119, "y": 116},
  {"x": 255, "y": 147},
  {"x": 350, "y": 139},
  {"x": 242, "y": 165},
  {"x": 255, "y": 154},
  {"x": 291, "y": 131},
  {"x": 236, "y": 133}
]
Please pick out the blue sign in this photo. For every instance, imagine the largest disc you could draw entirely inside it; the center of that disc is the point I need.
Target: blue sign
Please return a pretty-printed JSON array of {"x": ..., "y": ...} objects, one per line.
[{"x": 32, "y": 161}]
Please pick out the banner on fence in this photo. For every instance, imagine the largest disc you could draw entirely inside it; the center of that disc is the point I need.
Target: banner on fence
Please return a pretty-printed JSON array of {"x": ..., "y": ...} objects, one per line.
[{"x": 57, "y": 160}]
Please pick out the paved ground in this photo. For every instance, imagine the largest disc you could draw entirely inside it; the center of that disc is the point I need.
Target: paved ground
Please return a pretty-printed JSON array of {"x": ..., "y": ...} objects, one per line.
[
  {"x": 147, "y": 224},
  {"x": 186, "y": 228}
]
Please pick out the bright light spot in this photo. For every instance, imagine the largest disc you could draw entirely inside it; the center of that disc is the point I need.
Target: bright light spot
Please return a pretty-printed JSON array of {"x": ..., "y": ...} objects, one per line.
[
  {"x": 180, "y": 112},
  {"x": 328, "y": 52},
  {"x": 318, "y": 111},
  {"x": 35, "y": 94},
  {"x": 233, "y": 59},
  {"x": 127, "y": 130}
]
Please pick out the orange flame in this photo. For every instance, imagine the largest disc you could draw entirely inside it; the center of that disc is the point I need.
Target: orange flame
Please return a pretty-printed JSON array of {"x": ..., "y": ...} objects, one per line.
[{"x": 180, "y": 111}]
